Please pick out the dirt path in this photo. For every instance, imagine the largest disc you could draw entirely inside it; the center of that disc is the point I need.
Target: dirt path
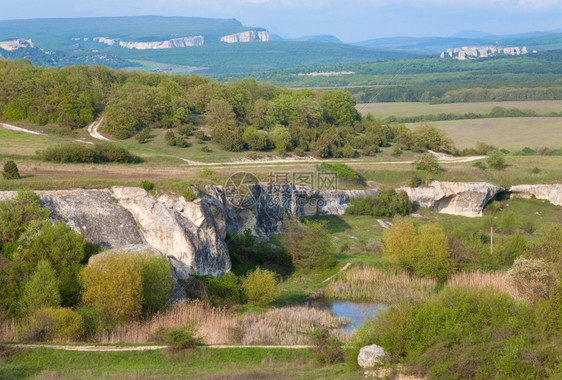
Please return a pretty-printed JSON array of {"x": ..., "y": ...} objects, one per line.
[
  {"x": 341, "y": 270},
  {"x": 139, "y": 348},
  {"x": 93, "y": 129},
  {"x": 23, "y": 130}
]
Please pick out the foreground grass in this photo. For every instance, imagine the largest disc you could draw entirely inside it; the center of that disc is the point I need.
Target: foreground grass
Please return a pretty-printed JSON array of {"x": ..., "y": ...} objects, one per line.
[{"x": 200, "y": 363}]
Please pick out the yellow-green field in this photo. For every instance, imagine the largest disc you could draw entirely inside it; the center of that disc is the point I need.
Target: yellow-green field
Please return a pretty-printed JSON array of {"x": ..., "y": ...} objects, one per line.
[
  {"x": 510, "y": 133},
  {"x": 384, "y": 110}
]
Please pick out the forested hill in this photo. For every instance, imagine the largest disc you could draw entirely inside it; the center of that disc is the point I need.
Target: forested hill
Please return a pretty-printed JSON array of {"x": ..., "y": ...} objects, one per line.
[{"x": 236, "y": 115}]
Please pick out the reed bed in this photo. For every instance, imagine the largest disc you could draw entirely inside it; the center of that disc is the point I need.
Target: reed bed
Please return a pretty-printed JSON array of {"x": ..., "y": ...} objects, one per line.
[
  {"x": 484, "y": 280},
  {"x": 212, "y": 324},
  {"x": 389, "y": 286},
  {"x": 289, "y": 325}
]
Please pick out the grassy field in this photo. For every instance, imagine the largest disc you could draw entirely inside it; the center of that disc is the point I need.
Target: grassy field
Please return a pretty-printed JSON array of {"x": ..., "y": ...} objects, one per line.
[
  {"x": 384, "y": 110},
  {"x": 200, "y": 363},
  {"x": 509, "y": 133}
]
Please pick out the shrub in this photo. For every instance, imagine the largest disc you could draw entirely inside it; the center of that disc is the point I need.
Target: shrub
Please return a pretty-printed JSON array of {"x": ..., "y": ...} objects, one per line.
[
  {"x": 157, "y": 284},
  {"x": 386, "y": 203},
  {"x": 461, "y": 333},
  {"x": 327, "y": 349},
  {"x": 254, "y": 139},
  {"x": 16, "y": 214},
  {"x": 370, "y": 150},
  {"x": 260, "y": 287},
  {"x": 185, "y": 130},
  {"x": 480, "y": 165},
  {"x": 147, "y": 185},
  {"x": 189, "y": 194},
  {"x": 42, "y": 290},
  {"x": 179, "y": 338},
  {"x": 170, "y": 138},
  {"x": 343, "y": 171},
  {"x": 143, "y": 135},
  {"x": 415, "y": 180},
  {"x": 223, "y": 291},
  {"x": 496, "y": 160},
  {"x": 205, "y": 149},
  {"x": 200, "y": 136},
  {"x": 93, "y": 321},
  {"x": 81, "y": 153},
  {"x": 209, "y": 174},
  {"x": 427, "y": 162},
  {"x": 531, "y": 278},
  {"x": 507, "y": 221},
  {"x": 11, "y": 170},
  {"x": 54, "y": 324},
  {"x": 535, "y": 170}
]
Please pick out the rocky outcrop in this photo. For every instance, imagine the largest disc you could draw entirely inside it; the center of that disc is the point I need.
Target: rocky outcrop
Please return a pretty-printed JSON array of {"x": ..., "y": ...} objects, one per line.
[
  {"x": 13, "y": 45},
  {"x": 183, "y": 230},
  {"x": 456, "y": 198},
  {"x": 167, "y": 44},
  {"x": 370, "y": 356},
  {"x": 247, "y": 36},
  {"x": 551, "y": 193}
]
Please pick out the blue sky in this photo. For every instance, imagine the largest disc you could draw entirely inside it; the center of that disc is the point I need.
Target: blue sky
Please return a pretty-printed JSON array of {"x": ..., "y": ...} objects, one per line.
[{"x": 350, "y": 20}]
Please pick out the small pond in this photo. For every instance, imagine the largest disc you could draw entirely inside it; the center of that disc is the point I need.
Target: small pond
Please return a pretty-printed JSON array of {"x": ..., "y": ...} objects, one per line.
[{"x": 357, "y": 312}]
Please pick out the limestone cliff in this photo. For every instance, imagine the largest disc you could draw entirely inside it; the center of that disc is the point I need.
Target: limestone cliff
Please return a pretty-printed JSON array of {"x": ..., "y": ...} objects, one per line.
[
  {"x": 248, "y": 36},
  {"x": 167, "y": 44},
  {"x": 457, "y": 198},
  {"x": 13, "y": 45},
  {"x": 552, "y": 193}
]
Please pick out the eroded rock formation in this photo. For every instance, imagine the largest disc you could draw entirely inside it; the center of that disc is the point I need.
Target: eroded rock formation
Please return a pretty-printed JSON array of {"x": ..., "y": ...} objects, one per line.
[
  {"x": 551, "y": 193},
  {"x": 247, "y": 36},
  {"x": 457, "y": 198}
]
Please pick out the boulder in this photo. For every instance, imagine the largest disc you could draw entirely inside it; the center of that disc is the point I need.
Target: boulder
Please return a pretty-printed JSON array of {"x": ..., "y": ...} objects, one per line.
[
  {"x": 455, "y": 198},
  {"x": 369, "y": 356}
]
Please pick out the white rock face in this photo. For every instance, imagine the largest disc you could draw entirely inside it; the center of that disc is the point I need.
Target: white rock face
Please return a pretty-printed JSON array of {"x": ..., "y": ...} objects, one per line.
[
  {"x": 168, "y": 44},
  {"x": 248, "y": 36},
  {"x": 464, "y": 52},
  {"x": 370, "y": 356},
  {"x": 456, "y": 198},
  {"x": 552, "y": 193},
  {"x": 181, "y": 229},
  {"x": 16, "y": 44}
]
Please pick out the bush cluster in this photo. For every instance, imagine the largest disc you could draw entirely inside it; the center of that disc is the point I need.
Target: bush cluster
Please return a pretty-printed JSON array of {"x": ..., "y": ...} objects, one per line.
[
  {"x": 82, "y": 153},
  {"x": 387, "y": 203},
  {"x": 462, "y": 334}
]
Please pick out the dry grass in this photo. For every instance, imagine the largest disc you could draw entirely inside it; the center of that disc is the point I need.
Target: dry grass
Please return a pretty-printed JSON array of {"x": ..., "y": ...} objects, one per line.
[
  {"x": 368, "y": 284},
  {"x": 289, "y": 325},
  {"x": 219, "y": 326},
  {"x": 483, "y": 280},
  {"x": 212, "y": 323}
]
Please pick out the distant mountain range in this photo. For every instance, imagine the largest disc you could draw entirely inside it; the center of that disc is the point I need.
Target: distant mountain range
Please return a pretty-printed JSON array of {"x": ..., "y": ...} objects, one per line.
[
  {"x": 217, "y": 46},
  {"x": 539, "y": 41}
]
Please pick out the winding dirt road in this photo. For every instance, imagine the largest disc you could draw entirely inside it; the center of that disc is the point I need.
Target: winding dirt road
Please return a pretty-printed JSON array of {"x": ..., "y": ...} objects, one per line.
[{"x": 93, "y": 129}]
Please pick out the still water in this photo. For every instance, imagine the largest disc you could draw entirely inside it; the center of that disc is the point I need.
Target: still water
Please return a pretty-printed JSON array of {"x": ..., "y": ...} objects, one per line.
[{"x": 357, "y": 312}]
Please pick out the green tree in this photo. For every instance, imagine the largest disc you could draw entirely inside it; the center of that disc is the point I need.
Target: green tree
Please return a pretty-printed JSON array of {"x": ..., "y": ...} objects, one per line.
[
  {"x": 339, "y": 107},
  {"x": 112, "y": 284},
  {"x": 432, "y": 253},
  {"x": 260, "y": 287},
  {"x": 220, "y": 112},
  {"x": 11, "y": 170},
  {"x": 42, "y": 289},
  {"x": 308, "y": 244},
  {"x": 62, "y": 247},
  {"x": 156, "y": 282},
  {"x": 254, "y": 139},
  {"x": 281, "y": 138},
  {"x": 400, "y": 242},
  {"x": 17, "y": 213}
]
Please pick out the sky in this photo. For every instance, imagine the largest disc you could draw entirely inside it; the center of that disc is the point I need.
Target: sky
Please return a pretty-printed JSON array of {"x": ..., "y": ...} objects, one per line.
[{"x": 349, "y": 20}]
